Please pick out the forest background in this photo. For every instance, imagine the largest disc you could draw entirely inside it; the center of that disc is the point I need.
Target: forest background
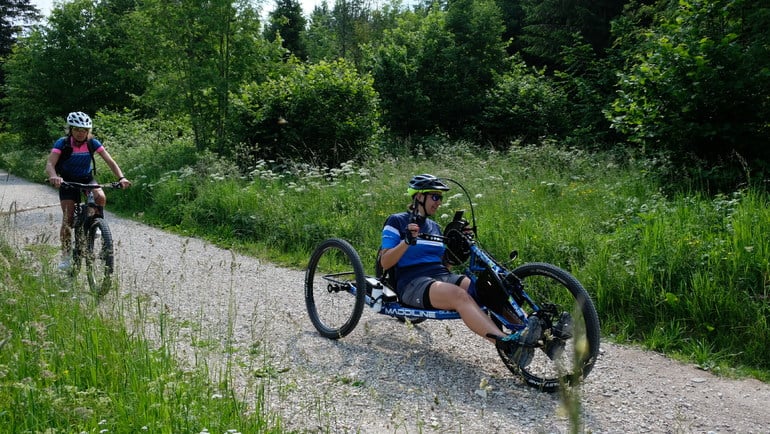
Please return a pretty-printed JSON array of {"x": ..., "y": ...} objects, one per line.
[{"x": 623, "y": 140}]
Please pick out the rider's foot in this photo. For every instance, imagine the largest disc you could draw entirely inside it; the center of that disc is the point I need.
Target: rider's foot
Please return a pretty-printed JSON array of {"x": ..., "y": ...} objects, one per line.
[
  {"x": 65, "y": 264},
  {"x": 563, "y": 327},
  {"x": 560, "y": 332},
  {"x": 519, "y": 346}
]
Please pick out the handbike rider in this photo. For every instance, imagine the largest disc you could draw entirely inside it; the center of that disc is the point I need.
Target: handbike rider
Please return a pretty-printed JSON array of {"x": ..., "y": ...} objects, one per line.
[{"x": 424, "y": 280}]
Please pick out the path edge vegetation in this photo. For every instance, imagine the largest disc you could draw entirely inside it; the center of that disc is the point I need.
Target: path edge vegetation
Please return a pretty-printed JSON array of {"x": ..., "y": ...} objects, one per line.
[
  {"x": 69, "y": 362},
  {"x": 671, "y": 268}
]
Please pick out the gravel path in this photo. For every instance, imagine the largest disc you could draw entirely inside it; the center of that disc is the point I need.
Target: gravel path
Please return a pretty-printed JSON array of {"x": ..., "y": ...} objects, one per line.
[{"x": 246, "y": 320}]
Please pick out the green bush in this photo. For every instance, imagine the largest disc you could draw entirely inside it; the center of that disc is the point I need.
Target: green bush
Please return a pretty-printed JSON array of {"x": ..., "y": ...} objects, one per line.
[
  {"x": 524, "y": 105},
  {"x": 324, "y": 114}
]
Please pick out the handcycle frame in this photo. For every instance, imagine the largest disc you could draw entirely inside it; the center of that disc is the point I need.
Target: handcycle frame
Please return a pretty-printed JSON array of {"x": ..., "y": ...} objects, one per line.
[
  {"x": 509, "y": 297},
  {"x": 88, "y": 225}
]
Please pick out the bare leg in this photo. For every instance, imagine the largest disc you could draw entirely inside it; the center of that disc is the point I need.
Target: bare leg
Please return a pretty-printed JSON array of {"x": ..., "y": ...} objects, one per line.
[
  {"x": 99, "y": 197},
  {"x": 452, "y": 297},
  {"x": 65, "y": 233}
]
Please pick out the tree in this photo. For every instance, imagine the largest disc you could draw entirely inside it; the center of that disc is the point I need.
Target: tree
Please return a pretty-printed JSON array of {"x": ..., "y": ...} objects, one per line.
[
  {"x": 479, "y": 52},
  {"x": 14, "y": 16},
  {"x": 320, "y": 39},
  {"x": 408, "y": 70},
  {"x": 697, "y": 83},
  {"x": 552, "y": 25},
  {"x": 433, "y": 71},
  {"x": 78, "y": 61},
  {"x": 203, "y": 55},
  {"x": 348, "y": 27},
  {"x": 288, "y": 22}
]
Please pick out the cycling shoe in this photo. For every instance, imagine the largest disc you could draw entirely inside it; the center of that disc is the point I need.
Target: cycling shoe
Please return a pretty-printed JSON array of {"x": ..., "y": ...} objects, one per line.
[
  {"x": 560, "y": 332},
  {"x": 519, "y": 346}
]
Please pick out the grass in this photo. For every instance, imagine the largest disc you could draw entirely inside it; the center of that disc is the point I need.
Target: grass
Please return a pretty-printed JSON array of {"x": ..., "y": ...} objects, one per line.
[
  {"x": 68, "y": 366},
  {"x": 677, "y": 271}
]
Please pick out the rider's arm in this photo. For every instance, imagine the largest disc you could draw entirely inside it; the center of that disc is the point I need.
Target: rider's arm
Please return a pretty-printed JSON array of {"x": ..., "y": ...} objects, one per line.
[
  {"x": 390, "y": 256},
  {"x": 124, "y": 182},
  {"x": 50, "y": 169}
]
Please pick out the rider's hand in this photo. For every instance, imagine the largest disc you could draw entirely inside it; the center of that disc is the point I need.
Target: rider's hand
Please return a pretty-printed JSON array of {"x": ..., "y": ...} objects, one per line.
[
  {"x": 124, "y": 182},
  {"x": 55, "y": 181}
]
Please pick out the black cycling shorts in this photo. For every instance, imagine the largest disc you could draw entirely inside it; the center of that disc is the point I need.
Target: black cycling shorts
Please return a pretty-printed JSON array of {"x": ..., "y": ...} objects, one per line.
[
  {"x": 67, "y": 192},
  {"x": 416, "y": 294}
]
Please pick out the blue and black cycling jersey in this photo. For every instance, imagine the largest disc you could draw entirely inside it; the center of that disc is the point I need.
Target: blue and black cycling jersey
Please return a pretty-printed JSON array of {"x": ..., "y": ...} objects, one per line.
[{"x": 423, "y": 259}]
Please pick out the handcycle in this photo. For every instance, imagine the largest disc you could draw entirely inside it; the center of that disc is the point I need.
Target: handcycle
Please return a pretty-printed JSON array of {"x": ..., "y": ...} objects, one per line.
[
  {"x": 337, "y": 289},
  {"x": 92, "y": 240}
]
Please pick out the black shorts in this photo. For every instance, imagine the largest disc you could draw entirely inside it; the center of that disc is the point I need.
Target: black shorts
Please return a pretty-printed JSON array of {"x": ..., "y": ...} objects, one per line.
[
  {"x": 67, "y": 192},
  {"x": 416, "y": 294}
]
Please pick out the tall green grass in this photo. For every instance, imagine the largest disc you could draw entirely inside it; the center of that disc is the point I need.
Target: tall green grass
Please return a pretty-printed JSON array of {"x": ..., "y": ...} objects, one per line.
[{"x": 65, "y": 366}]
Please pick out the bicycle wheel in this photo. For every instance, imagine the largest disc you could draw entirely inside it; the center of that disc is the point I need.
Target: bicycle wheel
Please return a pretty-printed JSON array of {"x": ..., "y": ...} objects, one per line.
[
  {"x": 78, "y": 245},
  {"x": 570, "y": 343},
  {"x": 335, "y": 288},
  {"x": 100, "y": 259}
]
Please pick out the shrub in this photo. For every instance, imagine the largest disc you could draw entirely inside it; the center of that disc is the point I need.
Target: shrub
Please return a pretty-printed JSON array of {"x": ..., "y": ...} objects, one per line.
[
  {"x": 524, "y": 105},
  {"x": 323, "y": 114}
]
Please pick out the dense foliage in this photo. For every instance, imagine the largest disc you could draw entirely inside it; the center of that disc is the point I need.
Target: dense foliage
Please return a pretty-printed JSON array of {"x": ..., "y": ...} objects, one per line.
[
  {"x": 324, "y": 113},
  {"x": 697, "y": 82},
  {"x": 686, "y": 78}
]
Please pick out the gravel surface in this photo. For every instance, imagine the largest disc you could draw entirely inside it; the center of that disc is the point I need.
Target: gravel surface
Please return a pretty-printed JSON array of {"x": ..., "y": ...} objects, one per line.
[{"x": 246, "y": 320}]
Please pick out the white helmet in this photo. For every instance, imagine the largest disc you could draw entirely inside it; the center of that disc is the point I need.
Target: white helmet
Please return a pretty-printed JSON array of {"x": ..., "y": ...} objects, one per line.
[{"x": 79, "y": 119}]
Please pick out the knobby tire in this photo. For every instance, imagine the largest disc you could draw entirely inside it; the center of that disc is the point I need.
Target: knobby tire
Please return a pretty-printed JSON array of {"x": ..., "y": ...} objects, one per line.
[
  {"x": 549, "y": 284},
  {"x": 100, "y": 258}
]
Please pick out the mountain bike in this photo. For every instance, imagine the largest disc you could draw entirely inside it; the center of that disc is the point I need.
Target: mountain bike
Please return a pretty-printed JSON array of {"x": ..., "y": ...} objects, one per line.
[
  {"x": 337, "y": 289},
  {"x": 92, "y": 240}
]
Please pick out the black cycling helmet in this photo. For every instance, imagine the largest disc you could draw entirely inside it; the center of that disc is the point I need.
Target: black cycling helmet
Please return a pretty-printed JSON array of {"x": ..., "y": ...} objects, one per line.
[{"x": 424, "y": 183}]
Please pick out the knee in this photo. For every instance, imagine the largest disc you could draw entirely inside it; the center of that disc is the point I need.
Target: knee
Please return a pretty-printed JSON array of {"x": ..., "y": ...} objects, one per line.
[
  {"x": 99, "y": 197},
  {"x": 460, "y": 296}
]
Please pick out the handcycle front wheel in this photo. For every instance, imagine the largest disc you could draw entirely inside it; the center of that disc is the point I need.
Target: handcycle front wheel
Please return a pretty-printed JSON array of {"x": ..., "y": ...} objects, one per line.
[
  {"x": 335, "y": 288},
  {"x": 561, "y": 360},
  {"x": 99, "y": 257}
]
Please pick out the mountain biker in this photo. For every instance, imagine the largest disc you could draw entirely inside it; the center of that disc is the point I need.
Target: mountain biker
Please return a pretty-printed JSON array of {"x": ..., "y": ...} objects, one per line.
[
  {"x": 424, "y": 279},
  {"x": 77, "y": 168}
]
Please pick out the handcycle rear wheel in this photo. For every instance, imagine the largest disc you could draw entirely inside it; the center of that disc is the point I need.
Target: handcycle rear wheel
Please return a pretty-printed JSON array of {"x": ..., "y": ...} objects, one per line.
[
  {"x": 99, "y": 256},
  {"x": 335, "y": 288},
  {"x": 555, "y": 291}
]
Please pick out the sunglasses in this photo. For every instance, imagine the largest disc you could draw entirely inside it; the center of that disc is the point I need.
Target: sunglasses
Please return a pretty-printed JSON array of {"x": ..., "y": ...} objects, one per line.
[{"x": 436, "y": 197}]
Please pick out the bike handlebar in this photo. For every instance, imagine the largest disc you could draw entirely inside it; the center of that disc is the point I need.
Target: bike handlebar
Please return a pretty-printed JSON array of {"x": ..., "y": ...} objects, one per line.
[{"x": 115, "y": 185}]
